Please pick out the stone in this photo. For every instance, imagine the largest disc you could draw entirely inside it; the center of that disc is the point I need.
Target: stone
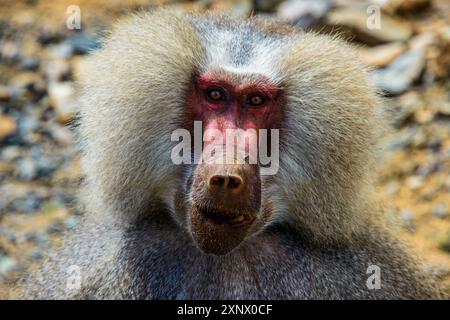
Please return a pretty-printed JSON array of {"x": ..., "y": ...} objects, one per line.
[
  {"x": 10, "y": 153},
  {"x": 82, "y": 43},
  {"x": 7, "y": 126},
  {"x": 401, "y": 74},
  {"x": 414, "y": 182},
  {"x": 62, "y": 98},
  {"x": 303, "y": 13},
  {"x": 27, "y": 85},
  {"x": 237, "y": 8},
  {"x": 382, "y": 55},
  {"x": 406, "y": 6},
  {"x": 56, "y": 69},
  {"x": 9, "y": 51},
  {"x": 48, "y": 36},
  {"x": 71, "y": 223},
  {"x": 48, "y": 165},
  {"x": 5, "y": 93},
  {"x": 423, "y": 115},
  {"x": 30, "y": 63},
  {"x": 266, "y": 5},
  {"x": 27, "y": 204},
  {"x": 408, "y": 219},
  {"x": 7, "y": 265},
  {"x": 440, "y": 210},
  {"x": 26, "y": 169},
  {"x": 27, "y": 125},
  {"x": 354, "y": 21},
  {"x": 61, "y": 134},
  {"x": 406, "y": 105}
]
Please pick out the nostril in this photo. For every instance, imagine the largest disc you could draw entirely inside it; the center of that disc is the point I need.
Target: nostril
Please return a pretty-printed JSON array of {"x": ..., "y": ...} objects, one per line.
[
  {"x": 234, "y": 182},
  {"x": 217, "y": 181},
  {"x": 225, "y": 182}
]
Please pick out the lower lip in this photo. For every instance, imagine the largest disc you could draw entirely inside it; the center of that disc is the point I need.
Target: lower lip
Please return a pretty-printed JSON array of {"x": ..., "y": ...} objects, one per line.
[
  {"x": 235, "y": 225},
  {"x": 231, "y": 225}
]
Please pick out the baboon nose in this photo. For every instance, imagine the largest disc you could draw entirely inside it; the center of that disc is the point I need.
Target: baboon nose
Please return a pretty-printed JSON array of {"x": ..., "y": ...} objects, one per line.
[{"x": 225, "y": 182}]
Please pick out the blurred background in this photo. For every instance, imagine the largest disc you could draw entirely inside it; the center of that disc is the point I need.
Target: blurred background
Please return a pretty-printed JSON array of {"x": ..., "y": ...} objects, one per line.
[{"x": 42, "y": 47}]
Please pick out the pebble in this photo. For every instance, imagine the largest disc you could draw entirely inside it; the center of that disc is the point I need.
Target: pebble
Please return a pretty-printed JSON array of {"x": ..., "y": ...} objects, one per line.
[
  {"x": 401, "y": 74},
  {"x": 26, "y": 169},
  {"x": 423, "y": 114},
  {"x": 40, "y": 237},
  {"x": 60, "y": 134},
  {"x": 27, "y": 125},
  {"x": 62, "y": 50},
  {"x": 8, "y": 234},
  {"x": 354, "y": 20},
  {"x": 71, "y": 223},
  {"x": 49, "y": 36},
  {"x": 392, "y": 188},
  {"x": 56, "y": 70},
  {"x": 381, "y": 56},
  {"x": 303, "y": 13},
  {"x": 414, "y": 182},
  {"x": 30, "y": 63},
  {"x": 266, "y": 5},
  {"x": 7, "y": 126},
  {"x": 62, "y": 98},
  {"x": 27, "y": 86},
  {"x": 440, "y": 210},
  {"x": 37, "y": 254},
  {"x": 445, "y": 243},
  {"x": 65, "y": 199},
  {"x": 55, "y": 228},
  {"x": 3, "y": 206},
  {"x": 48, "y": 165},
  {"x": 235, "y": 8},
  {"x": 406, "y": 6},
  {"x": 7, "y": 265},
  {"x": 407, "y": 103},
  {"x": 9, "y": 51},
  {"x": 408, "y": 220},
  {"x": 5, "y": 93},
  {"x": 28, "y": 204},
  {"x": 82, "y": 43}
]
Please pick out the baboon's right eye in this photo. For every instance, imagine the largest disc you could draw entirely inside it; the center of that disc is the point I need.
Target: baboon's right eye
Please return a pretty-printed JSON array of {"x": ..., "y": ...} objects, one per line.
[{"x": 215, "y": 95}]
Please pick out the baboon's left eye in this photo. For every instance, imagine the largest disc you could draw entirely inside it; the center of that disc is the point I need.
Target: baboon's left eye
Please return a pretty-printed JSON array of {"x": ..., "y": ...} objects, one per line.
[{"x": 256, "y": 100}]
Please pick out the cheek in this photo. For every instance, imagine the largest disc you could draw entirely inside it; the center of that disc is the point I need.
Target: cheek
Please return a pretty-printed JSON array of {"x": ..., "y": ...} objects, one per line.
[
  {"x": 201, "y": 110},
  {"x": 268, "y": 117},
  {"x": 250, "y": 123},
  {"x": 194, "y": 104},
  {"x": 196, "y": 109}
]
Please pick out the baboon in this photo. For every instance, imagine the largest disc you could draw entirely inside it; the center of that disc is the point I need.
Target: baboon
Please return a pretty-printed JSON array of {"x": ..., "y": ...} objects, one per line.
[{"x": 154, "y": 229}]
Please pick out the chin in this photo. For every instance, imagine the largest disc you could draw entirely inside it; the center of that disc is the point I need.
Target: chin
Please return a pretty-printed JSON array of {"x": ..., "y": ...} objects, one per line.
[{"x": 217, "y": 231}]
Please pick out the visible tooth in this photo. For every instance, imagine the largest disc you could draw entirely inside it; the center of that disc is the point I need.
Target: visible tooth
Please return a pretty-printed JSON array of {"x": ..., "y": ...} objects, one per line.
[{"x": 239, "y": 218}]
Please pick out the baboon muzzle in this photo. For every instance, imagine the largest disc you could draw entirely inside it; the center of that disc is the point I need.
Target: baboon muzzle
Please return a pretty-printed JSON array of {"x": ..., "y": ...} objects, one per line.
[{"x": 226, "y": 202}]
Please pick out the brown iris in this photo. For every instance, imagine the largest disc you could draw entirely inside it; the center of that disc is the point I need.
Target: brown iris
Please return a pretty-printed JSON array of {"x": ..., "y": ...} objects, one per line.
[
  {"x": 256, "y": 100},
  {"x": 216, "y": 95}
]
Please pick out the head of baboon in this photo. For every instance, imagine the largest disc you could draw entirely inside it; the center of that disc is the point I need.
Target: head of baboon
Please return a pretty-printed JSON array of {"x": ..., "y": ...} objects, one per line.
[{"x": 306, "y": 96}]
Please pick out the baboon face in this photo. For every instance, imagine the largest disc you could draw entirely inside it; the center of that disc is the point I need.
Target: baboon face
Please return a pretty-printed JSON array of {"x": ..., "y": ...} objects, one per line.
[
  {"x": 224, "y": 190},
  {"x": 157, "y": 75}
]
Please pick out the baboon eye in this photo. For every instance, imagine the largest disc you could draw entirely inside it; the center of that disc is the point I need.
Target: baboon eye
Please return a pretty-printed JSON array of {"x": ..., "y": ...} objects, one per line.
[
  {"x": 215, "y": 95},
  {"x": 256, "y": 100}
]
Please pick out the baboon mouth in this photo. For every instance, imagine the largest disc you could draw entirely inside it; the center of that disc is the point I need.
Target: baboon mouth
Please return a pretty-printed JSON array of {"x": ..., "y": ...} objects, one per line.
[{"x": 224, "y": 218}]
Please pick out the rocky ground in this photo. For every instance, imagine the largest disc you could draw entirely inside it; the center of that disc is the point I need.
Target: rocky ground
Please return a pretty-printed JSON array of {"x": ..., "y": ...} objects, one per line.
[{"x": 40, "y": 59}]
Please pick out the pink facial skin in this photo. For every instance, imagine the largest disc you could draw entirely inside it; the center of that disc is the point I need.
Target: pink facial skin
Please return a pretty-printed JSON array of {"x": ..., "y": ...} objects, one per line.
[{"x": 235, "y": 110}]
